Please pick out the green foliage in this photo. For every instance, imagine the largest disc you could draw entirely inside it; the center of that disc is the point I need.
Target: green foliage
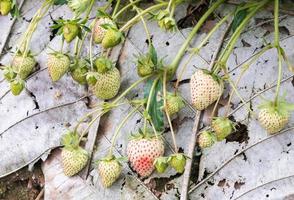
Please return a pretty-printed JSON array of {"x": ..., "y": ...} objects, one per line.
[{"x": 156, "y": 103}]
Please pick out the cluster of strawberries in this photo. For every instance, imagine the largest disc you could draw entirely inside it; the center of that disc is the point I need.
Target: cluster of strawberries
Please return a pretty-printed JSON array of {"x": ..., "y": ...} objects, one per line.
[{"x": 145, "y": 151}]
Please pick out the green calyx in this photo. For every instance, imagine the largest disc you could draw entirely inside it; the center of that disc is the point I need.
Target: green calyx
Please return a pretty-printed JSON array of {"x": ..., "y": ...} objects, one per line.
[
  {"x": 161, "y": 164},
  {"x": 91, "y": 78},
  {"x": 280, "y": 106},
  {"x": 103, "y": 65},
  {"x": 178, "y": 162},
  {"x": 215, "y": 77},
  {"x": 71, "y": 140},
  {"x": 142, "y": 135},
  {"x": 145, "y": 66}
]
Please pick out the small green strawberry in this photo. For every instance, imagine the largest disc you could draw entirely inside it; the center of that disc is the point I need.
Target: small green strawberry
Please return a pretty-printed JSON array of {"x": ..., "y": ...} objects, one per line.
[
  {"x": 23, "y": 65},
  {"x": 145, "y": 65},
  {"x": 99, "y": 31},
  {"x": 58, "y": 64},
  {"x": 108, "y": 80},
  {"x": 166, "y": 21},
  {"x": 222, "y": 127},
  {"x": 74, "y": 157},
  {"x": 79, "y": 6},
  {"x": 174, "y": 103},
  {"x": 9, "y": 74},
  {"x": 5, "y": 7},
  {"x": 178, "y": 162},
  {"x": 112, "y": 38},
  {"x": 109, "y": 170},
  {"x": 79, "y": 70},
  {"x": 161, "y": 164},
  {"x": 17, "y": 86},
  {"x": 71, "y": 31},
  {"x": 206, "y": 139},
  {"x": 274, "y": 116}
]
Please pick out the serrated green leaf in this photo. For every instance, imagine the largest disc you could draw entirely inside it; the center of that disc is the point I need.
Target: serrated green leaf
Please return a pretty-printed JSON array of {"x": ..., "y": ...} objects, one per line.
[
  {"x": 156, "y": 103},
  {"x": 153, "y": 54},
  {"x": 238, "y": 18},
  {"x": 60, "y": 2}
]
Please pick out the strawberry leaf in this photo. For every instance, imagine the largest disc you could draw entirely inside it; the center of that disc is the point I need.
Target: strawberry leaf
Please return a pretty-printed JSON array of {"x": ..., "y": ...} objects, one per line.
[
  {"x": 156, "y": 103},
  {"x": 60, "y": 2},
  {"x": 238, "y": 18}
]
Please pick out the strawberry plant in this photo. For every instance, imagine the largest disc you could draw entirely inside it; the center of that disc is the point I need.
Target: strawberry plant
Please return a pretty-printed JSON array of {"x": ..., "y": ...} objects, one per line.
[{"x": 158, "y": 104}]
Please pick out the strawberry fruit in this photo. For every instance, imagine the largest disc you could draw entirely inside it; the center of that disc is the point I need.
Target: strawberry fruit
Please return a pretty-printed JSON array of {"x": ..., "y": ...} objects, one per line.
[
  {"x": 107, "y": 79},
  {"x": 174, "y": 103},
  {"x": 58, "y": 64},
  {"x": 23, "y": 65},
  {"x": 161, "y": 164},
  {"x": 274, "y": 116},
  {"x": 99, "y": 31},
  {"x": 142, "y": 150},
  {"x": 71, "y": 31},
  {"x": 178, "y": 162},
  {"x": 17, "y": 86},
  {"x": 206, "y": 139},
  {"x": 222, "y": 127},
  {"x": 109, "y": 170},
  {"x": 205, "y": 89},
  {"x": 5, "y": 7},
  {"x": 74, "y": 158},
  {"x": 112, "y": 38},
  {"x": 78, "y": 71}
]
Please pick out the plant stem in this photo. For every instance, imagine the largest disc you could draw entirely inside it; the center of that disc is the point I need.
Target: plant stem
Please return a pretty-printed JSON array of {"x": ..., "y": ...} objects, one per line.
[
  {"x": 114, "y": 138},
  {"x": 130, "y": 88},
  {"x": 215, "y": 28},
  {"x": 166, "y": 112},
  {"x": 245, "y": 68},
  {"x": 144, "y": 23},
  {"x": 124, "y": 9},
  {"x": 230, "y": 46},
  {"x": 277, "y": 45},
  {"x": 116, "y": 8},
  {"x": 181, "y": 52},
  {"x": 134, "y": 19}
]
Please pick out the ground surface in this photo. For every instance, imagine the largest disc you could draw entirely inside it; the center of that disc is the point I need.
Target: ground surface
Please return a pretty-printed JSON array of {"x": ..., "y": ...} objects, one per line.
[{"x": 33, "y": 123}]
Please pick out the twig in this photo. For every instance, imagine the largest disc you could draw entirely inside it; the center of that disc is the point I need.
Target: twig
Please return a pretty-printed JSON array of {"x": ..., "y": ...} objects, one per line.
[
  {"x": 235, "y": 156},
  {"x": 43, "y": 111},
  {"x": 193, "y": 138},
  {"x": 41, "y": 194},
  {"x": 266, "y": 183},
  {"x": 259, "y": 93}
]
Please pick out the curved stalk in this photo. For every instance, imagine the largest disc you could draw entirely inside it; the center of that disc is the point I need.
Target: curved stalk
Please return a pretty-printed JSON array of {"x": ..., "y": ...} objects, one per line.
[
  {"x": 125, "y": 8},
  {"x": 116, "y": 7},
  {"x": 167, "y": 114},
  {"x": 134, "y": 19},
  {"x": 123, "y": 122},
  {"x": 130, "y": 88},
  {"x": 230, "y": 46},
  {"x": 181, "y": 52}
]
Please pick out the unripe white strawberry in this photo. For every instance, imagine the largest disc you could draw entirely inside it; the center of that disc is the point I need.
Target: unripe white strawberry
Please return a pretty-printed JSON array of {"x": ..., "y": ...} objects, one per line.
[
  {"x": 205, "y": 89},
  {"x": 99, "y": 31},
  {"x": 206, "y": 139},
  {"x": 109, "y": 170},
  {"x": 274, "y": 116},
  {"x": 74, "y": 158}
]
